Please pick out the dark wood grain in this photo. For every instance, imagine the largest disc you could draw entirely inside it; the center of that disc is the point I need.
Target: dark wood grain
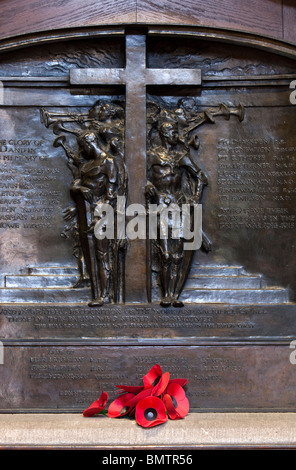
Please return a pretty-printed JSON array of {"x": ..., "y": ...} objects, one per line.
[
  {"x": 257, "y": 16},
  {"x": 289, "y": 20},
  {"x": 275, "y": 18},
  {"x": 27, "y": 16}
]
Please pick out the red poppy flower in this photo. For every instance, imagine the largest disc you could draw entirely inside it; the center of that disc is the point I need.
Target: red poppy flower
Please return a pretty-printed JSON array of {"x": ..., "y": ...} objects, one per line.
[
  {"x": 120, "y": 406},
  {"x": 153, "y": 376},
  {"x": 130, "y": 388},
  {"x": 151, "y": 411},
  {"x": 161, "y": 386},
  {"x": 97, "y": 406},
  {"x": 176, "y": 402},
  {"x": 181, "y": 382},
  {"x": 146, "y": 392}
]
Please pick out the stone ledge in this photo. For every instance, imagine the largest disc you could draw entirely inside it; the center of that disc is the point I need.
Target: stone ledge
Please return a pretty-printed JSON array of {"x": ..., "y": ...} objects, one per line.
[{"x": 197, "y": 430}]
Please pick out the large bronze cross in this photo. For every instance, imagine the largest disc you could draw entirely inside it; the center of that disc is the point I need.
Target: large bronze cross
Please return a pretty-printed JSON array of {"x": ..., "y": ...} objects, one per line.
[{"x": 135, "y": 76}]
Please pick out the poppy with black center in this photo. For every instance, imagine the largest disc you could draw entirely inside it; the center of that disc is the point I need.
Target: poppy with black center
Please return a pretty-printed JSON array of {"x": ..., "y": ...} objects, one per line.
[
  {"x": 151, "y": 411},
  {"x": 176, "y": 402}
]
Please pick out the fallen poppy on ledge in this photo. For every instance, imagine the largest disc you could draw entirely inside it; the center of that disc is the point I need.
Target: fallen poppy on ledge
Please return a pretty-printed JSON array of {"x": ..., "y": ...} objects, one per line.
[
  {"x": 97, "y": 406},
  {"x": 176, "y": 402},
  {"x": 120, "y": 406},
  {"x": 152, "y": 403},
  {"x": 146, "y": 392},
  {"x": 151, "y": 411}
]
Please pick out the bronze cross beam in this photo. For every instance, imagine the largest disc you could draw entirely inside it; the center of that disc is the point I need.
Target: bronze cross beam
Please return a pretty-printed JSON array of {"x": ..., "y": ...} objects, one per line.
[{"x": 135, "y": 76}]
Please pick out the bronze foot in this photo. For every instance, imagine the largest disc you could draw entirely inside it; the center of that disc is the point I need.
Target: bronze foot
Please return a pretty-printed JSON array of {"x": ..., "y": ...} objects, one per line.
[
  {"x": 178, "y": 303},
  {"x": 96, "y": 303},
  {"x": 166, "y": 302}
]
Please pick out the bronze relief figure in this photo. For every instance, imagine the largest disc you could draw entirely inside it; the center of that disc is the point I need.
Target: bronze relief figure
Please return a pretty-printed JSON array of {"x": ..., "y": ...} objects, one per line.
[
  {"x": 168, "y": 169},
  {"x": 99, "y": 177},
  {"x": 175, "y": 180}
]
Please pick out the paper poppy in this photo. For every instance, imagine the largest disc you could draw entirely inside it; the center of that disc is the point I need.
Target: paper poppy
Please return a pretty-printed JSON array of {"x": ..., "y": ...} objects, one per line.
[
  {"x": 153, "y": 377},
  {"x": 120, "y": 406},
  {"x": 151, "y": 411},
  {"x": 152, "y": 403},
  {"x": 161, "y": 386},
  {"x": 181, "y": 382},
  {"x": 131, "y": 388},
  {"x": 146, "y": 392},
  {"x": 176, "y": 402},
  {"x": 97, "y": 406}
]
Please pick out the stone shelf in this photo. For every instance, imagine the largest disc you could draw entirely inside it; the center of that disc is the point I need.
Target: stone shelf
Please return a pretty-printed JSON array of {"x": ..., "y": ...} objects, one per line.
[{"x": 196, "y": 431}]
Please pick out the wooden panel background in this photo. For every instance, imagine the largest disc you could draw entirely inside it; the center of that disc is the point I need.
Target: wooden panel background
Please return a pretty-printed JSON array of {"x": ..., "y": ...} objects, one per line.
[
  {"x": 28, "y": 16},
  {"x": 256, "y": 16},
  {"x": 275, "y": 18},
  {"x": 289, "y": 20}
]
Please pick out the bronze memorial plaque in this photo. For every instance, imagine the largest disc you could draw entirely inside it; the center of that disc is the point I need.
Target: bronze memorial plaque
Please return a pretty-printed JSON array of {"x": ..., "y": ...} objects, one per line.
[{"x": 147, "y": 216}]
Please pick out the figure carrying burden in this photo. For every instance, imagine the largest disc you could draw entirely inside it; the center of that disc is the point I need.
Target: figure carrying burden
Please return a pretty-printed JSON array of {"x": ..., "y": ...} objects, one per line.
[
  {"x": 174, "y": 180},
  {"x": 99, "y": 176}
]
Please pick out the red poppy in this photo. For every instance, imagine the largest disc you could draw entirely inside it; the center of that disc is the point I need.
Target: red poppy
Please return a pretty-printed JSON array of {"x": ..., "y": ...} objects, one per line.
[
  {"x": 161, "y": 386},
  {"x": 130, "y": 388},
  {"x": 181, "y": 382},
  {"x": 97, "y": 406},
  {"x": 146, "y": 392},
  {"x": 153, "y": 376},
  {"x": 176, "y": 402},
  {"x": 120, "y": 406},
  {"x": 151, "y": 411}
]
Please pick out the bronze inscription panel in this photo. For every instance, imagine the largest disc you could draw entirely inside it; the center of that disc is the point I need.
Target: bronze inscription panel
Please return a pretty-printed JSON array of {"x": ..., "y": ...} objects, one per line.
[
  {"x": 69, "y": 378},
  {"x": 104, "y": 143}
]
